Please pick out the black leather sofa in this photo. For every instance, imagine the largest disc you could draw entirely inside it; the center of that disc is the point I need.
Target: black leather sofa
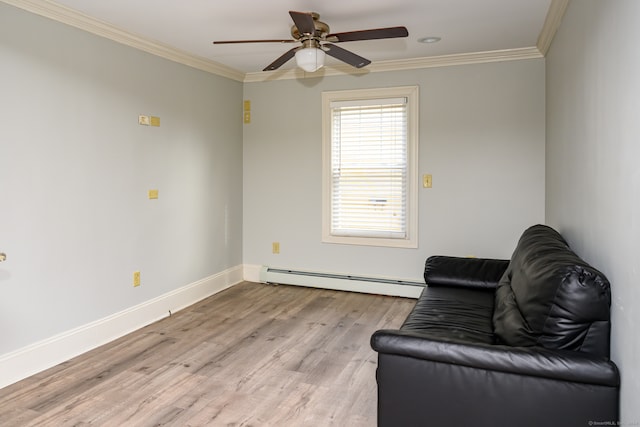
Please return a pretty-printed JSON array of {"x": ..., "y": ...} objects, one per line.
[{"x": 520, "y": 342}]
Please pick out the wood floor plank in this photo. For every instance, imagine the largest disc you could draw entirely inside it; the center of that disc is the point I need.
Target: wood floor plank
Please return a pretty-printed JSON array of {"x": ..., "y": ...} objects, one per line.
[{"x": 252, "y": 355}]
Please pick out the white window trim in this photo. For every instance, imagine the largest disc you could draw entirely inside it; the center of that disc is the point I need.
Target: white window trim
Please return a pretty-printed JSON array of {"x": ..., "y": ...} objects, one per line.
[{"x": 411, "y": 93}]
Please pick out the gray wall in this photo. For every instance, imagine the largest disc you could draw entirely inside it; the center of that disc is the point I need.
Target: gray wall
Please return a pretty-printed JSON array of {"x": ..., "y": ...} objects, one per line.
[
  {"x": 593, "y": 155},
  {"x": 481, "y": 136},
  {"x": 75, "y": 168}
]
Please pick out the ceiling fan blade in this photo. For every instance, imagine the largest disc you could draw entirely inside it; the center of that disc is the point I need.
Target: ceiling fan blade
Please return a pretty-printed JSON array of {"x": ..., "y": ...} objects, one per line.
[
  {"x": 378, "y": 33},
  {"x": 303, "y": 21},
  {"x": 281, "y": 60},
  {"x": 346, "y": 56},
  {"x": 254, "y": 41}
]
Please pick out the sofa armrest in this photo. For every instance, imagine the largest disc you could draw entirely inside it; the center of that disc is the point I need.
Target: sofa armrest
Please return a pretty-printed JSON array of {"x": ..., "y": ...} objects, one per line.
[
  {"x": 531, "y": 361},
  {"x": 440, "y": 270}
]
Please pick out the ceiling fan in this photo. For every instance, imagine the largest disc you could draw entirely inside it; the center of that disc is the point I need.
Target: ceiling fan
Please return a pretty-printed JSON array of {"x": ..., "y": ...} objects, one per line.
[{"x": 316, "y": 41}]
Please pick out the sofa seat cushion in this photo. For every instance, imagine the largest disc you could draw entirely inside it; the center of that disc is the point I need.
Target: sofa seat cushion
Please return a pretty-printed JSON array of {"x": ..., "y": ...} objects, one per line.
[
  {"x": 550, "y": 297},
  {"x": 453, "y": 313}
]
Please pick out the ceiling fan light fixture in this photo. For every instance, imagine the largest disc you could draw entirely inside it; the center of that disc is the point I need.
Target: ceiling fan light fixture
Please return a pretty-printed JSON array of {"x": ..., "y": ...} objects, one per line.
[{"x": 310, "y": 59}]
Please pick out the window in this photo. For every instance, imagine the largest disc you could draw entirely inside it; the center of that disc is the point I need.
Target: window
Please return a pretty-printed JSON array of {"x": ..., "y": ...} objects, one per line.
[{"x": 369, "y": 167}]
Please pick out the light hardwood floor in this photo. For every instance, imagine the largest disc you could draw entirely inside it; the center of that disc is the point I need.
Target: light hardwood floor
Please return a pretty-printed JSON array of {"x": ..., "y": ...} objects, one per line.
[{"x": 252, "y": 355}]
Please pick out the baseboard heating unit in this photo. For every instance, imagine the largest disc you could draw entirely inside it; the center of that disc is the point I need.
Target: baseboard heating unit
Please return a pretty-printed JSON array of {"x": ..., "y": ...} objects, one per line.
[{"x": 342, "y": 282}]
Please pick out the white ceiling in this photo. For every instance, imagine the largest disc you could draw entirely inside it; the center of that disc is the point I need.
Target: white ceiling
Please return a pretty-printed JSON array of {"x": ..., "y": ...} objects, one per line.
[{"x": 465, "y": 26}]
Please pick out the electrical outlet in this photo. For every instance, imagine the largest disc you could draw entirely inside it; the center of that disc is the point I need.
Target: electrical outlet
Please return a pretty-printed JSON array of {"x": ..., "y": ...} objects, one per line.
[
  {"x": 427, "y": 181},
  {"x": 136, "y": 279},
  {"x": 275, "y": 247}
]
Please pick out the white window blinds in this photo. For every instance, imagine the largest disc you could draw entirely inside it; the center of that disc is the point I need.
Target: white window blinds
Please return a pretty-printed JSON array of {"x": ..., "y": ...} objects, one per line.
[{"x": 369, "y": 168}]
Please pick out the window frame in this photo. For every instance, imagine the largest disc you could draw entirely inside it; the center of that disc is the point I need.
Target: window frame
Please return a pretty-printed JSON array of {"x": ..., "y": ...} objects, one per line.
[{"x": 411, "y": 94}]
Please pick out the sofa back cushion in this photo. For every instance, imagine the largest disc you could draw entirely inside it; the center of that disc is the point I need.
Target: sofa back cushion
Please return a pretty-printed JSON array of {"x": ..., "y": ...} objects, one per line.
[{"x": 550, "y": 297}]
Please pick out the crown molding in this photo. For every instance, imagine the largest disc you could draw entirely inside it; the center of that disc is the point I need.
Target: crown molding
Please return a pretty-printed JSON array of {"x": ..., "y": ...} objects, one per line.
[
  {"x": 65, "y": 15},
  {"x": 551, "y": 24},
  {"x": 401, "y": 65}
]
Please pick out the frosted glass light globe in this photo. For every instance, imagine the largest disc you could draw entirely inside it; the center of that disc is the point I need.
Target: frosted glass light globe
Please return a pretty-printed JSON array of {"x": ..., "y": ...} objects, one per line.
[{"x": 310, "y": 59}]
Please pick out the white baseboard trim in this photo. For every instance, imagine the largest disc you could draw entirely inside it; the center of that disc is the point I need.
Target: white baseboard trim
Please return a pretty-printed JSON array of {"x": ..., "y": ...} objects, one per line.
[
  {"x": 252, "y": 273},
  {"x": 47, "y": 353}
]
